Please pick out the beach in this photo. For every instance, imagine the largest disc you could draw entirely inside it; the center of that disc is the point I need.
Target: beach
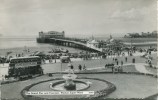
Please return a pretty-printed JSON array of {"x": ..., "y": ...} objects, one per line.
[{"x": 21, "y": 45}]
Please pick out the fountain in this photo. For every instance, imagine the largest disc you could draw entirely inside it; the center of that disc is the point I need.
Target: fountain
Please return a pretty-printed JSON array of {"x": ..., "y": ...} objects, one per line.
[
  {"x": 70, "y": 83},
  {"x": 69, "y": 80}
]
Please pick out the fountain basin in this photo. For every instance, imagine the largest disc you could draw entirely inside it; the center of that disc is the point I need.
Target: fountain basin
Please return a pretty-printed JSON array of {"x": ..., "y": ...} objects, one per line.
[
  {"x": 79, "y": 86},
  {"x": 99, "y": 86}
]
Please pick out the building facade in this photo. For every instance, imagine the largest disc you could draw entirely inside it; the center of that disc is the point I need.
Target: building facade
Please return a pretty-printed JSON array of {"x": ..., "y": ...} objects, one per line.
[
  {"x": 51, "y": 34},
  {"x": 45, "y": 36}
]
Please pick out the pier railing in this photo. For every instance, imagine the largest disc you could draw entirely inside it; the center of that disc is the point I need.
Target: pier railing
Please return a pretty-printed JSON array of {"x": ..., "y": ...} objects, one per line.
[
  {"x": 74, "y": 39},
  {"x": 80, "y": 42}
]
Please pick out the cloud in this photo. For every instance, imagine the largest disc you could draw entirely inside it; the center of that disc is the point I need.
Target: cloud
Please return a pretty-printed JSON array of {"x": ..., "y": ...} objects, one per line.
[
  {"x": 131, "y": 14},
  {"x": 75, "y": 16}
]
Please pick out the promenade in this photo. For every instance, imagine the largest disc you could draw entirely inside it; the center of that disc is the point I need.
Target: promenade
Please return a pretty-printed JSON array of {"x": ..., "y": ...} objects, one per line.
[
  {"x": 95, "y": 63},
  {"x": 142, "y": 83}
]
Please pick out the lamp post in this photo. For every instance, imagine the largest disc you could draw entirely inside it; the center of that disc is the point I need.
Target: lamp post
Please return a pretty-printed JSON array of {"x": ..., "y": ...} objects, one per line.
[
  {"x": 61, "y": 65},
  {"x": 100, "y": 61},
  {"x": 131, "y": 43}
]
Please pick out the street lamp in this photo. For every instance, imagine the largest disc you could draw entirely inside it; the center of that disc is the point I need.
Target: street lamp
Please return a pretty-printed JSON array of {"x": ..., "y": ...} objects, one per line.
[
  {"x": 61, "y": 65},
  {"x": 131, "y": 43}
]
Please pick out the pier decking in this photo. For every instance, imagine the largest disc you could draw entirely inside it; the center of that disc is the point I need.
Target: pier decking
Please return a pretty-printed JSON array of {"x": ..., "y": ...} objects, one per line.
[{"x": 73, "y": 43}]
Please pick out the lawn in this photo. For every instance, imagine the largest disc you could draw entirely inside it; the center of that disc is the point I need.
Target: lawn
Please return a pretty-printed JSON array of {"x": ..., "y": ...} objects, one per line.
[{"x": 128, "y": 85}]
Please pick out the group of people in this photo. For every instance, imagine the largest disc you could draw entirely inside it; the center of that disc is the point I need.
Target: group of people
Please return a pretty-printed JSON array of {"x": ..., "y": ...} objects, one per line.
[
  {"x": 117, "y": 65},
  {"x": 114, "y": 68},
  {"x": 117, "y": 61},
  {"x": 117, "y": 69},
  {"x": 80, "y": 67},
  {"x": 2, "y": 60}
]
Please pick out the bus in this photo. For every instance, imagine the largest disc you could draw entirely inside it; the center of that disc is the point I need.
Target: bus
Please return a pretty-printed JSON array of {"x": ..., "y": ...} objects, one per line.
[{"x": 25, "y": 66}]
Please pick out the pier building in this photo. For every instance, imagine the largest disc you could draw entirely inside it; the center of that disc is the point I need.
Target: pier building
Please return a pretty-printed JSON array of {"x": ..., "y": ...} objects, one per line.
[{"x": 44, "y": 36}]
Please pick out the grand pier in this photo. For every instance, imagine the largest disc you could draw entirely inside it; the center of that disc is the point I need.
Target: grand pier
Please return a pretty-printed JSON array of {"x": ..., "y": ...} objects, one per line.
[{"x": 92, "y": 45}]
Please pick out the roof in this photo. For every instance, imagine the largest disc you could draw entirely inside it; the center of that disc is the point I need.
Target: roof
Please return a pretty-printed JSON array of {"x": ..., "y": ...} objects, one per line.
[
  {"x": 111, "y": 40},
  {"x": 50, "y": 32},
  {"x": 93, "y": 42},
  {"x": 64, "y": 57},
  {"x": 38, "y": 53},
  {"x": 25, "y": 57}
]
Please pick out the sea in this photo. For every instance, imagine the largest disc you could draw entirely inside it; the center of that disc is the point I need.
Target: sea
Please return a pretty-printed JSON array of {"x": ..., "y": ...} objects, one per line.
[
  {"x": 13, "y": 42},
  {"x": 18, "y": 42}
]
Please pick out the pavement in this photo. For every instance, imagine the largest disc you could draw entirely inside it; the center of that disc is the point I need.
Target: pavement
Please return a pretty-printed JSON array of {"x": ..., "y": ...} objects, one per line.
[
  {"x": 139, "y": 66},
  {"x": 3, "y": 70}
]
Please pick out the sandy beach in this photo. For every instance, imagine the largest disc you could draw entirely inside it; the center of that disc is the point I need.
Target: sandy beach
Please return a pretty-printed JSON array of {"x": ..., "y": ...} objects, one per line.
[{"x": 42, "y": 48}]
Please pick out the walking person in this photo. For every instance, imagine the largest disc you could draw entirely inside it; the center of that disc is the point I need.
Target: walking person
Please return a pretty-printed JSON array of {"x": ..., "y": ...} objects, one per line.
[
  {"x": 112, "y": 68},
  {"x": 2, "y": 78},
  {"x": 84, "y": 67},
  {"x": 44, "y": 61},
  {"x": 72, "y": 67},
  {"x": 113, "y": 59},
  {"x": 121, "y": 63},
  {"x": 49, "y": 61},
  {"x": 80, "y": 67},
  {"x": 126, "y": 59},
  {"x": 55, "y": 61},
  {"x": 149, "y": 52},
  {"x": 123, "y": 54},
  {"x": 117, "y": 62},
  {"x": 133, "y": 60}
]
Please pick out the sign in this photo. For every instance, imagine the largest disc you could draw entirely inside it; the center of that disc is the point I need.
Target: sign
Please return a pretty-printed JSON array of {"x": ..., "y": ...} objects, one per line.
[
  {"x": 25, "y": 64},
  {"x": 60, "y": 93}
]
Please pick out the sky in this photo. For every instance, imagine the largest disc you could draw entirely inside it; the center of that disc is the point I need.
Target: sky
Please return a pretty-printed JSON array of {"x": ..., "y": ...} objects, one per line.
[{"x": 77, "y": 18}]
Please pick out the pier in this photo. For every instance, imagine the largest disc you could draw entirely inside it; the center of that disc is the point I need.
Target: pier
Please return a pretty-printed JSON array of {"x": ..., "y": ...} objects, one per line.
[
  {"x": 72, "y": 43},
  {"x": 58, "y": 38}
]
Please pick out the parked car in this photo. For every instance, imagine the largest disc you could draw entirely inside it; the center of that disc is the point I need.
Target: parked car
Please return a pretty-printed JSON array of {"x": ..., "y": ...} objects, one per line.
[{"x": 65, "y": 59}]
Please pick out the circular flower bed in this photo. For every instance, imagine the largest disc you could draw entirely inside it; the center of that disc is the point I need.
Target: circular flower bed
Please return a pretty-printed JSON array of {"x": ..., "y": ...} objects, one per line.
[{"x": 103, "y": 91}]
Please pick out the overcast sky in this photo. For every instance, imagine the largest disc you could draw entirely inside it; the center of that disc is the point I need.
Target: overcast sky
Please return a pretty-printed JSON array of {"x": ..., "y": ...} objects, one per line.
[{"x": 77, "y": 17}]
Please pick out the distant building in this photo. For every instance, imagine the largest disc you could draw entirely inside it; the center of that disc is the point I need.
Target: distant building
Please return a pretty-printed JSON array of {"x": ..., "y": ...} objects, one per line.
[
  {"x": 106, "y": 45},
  {"x": 93, "y": 43},
  {"x": 51, "y": 34},
  {"x": 110, "y": 40},
  {"x": 142, "y": 35},
  {"x": 154, "y": 33},
  {"x": 113, "y": 44},
  {"x": 44, "y": 36}
]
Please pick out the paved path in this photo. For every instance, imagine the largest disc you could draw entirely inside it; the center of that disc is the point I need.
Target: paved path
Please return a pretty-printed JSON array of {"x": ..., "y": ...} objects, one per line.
[
  {"x": 141, "y": 68},
  {"x": 3, "y": 70}
]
